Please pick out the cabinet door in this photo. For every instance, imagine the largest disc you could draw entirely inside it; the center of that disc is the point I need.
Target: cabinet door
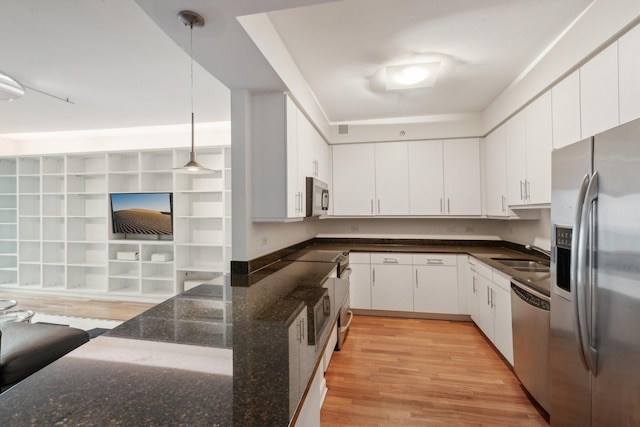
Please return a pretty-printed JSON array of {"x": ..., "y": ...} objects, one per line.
[
  {"x": 295, "y": 341},
  {"x": 306, "y": 160},
  {"x": 462, "y": 176},
  {"x": 391, "y": 287},
  {"x": 516, "y": 158},
  {"x": 629, "y": 64},
  {"x": 496, "y": 173},
  {"x": 392, "y": 179},
  {"x": 485, "y": 311},
  {"x": 473, "y": 290},
  {"x": 503, "y": 337},
  {"x": 426, "y": 184},
  {"x": 539, "y": 138},
  {"x": 599, "y": 92},
  {"x": 322, "y": 155},
  {"x": 353, "y": 179},
  {"x": 565, "y": 109},
  {"x": 293, "y": 191},
  {"x": 435, "y": 289},
  {"x": 360, "y": 286}
]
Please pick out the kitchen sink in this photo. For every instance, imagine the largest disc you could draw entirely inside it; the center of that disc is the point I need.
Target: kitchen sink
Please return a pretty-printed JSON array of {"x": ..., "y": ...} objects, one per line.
[{"x": 525, "y": 265}]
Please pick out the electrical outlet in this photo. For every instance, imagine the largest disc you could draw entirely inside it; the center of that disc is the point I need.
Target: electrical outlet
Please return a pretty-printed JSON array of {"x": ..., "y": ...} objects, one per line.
[
  {"x": 264, "y": 241},
  {"x": 355, "y": 228}
]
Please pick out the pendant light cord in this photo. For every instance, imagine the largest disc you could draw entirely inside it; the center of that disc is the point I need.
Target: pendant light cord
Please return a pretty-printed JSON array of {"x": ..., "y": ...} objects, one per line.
[{"x": 193, "y": 153}]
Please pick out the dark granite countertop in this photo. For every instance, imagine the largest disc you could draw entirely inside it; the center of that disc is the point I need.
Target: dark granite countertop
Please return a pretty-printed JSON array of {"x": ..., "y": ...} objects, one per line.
[
  {"x": 211, "y": 356},
  {"x": 216, "y": 355}
]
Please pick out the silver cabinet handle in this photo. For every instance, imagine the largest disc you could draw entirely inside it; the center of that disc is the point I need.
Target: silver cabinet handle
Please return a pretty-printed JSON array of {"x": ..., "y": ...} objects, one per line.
[
  {"x": 371, "y": 206},
  {"x": 435, "y": 261},
  {"x": 373, "y": 282},
  {"x": 390, "y": 260},
  {"x": 303, "y": 328},
  {"x": 521, "y": 191},
  {"x": 448, "y": 205},
  {"x": 378, "y": 206},
  {"x": 416, "y": 278},
  {"x": 504, "y": 210},
  {"x": 488, "y": 297},
  {"x": 441, "y": 207},
  {"x": 528, "y": 190},
  {"x": 493, "y": 303},
  {"x": 473, "y": 284}
]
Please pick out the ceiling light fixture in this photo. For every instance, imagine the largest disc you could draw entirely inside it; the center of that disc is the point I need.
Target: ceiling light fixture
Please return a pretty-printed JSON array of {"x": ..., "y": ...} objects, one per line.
[
  {"x": 411, "y": 76},
  {"x": 10, "y": 88},
  {"x": 192, "y": 19}
]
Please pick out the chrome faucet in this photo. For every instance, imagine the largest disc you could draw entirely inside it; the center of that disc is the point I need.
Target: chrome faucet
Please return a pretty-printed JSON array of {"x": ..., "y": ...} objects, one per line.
[{"x": 537, "y": 249}]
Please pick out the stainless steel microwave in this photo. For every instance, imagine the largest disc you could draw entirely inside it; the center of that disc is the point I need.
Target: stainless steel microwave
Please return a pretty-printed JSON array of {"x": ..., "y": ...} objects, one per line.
[{"x": 317, "y": 197}]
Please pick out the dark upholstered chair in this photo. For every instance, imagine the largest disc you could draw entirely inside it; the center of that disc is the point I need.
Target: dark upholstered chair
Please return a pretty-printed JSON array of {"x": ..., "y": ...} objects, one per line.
[{"x": 28, "y": 347}]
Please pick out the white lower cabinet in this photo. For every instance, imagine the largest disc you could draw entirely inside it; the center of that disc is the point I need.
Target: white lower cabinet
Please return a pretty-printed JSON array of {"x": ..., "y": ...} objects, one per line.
[
  {"x": 436, "y": 283},
  {"x": 391, "y": 284},
  {"x": 491, "y": 290},
  {"x": 360, "y": 280},
  {"x": 426, "y": 283}
]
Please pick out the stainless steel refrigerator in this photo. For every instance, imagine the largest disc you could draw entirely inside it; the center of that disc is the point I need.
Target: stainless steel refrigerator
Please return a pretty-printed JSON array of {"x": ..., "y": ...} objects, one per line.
[{"x": 595, "y": 288}]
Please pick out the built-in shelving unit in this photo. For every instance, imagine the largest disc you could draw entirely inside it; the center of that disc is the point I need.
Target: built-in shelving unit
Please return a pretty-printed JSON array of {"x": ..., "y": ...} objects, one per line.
[{"x": 55, "y": 223}]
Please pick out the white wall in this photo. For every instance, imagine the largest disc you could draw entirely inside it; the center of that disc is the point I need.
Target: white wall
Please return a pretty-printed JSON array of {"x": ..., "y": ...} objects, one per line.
[
  {"x": 529, "y": 232},
  {"x": 7, "y": 147},
  {"x": 422, "y": 228}
]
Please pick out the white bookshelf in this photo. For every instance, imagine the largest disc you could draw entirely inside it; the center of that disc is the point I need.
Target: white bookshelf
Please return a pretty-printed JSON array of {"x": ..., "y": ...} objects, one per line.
[{"x": 56, "y": 232}]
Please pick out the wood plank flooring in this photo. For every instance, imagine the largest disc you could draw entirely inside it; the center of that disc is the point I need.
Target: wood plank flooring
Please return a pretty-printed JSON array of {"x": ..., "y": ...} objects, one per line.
[
  {"x": 73, "y": 306},
  {"x": 411, "y": 372}
]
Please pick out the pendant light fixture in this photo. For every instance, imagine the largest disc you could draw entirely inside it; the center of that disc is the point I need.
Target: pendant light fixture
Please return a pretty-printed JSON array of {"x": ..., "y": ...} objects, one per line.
[
  {"x": 10, "y": 88},
  {"x": 192, "y": 19}
]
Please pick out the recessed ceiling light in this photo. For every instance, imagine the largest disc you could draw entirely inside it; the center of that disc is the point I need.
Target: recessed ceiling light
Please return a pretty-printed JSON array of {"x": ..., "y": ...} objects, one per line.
[{"x": 410, "y": 76}]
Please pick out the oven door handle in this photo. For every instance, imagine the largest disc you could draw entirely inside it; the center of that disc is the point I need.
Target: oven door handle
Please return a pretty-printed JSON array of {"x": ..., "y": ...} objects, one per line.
[{"x": 345, "y": 327}]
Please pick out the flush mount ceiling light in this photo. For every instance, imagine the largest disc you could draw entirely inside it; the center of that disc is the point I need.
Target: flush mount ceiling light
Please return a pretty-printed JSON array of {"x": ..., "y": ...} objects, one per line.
[
  {"x": 411, "y": 76},
  {"x": 192, "y": 19},
  {"x": 10, "y": 89}
]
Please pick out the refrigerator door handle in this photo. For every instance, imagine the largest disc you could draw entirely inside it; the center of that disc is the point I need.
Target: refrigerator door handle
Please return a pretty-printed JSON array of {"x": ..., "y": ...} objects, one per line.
[
  {"x": 588, "y": 224},
  {"x": 574, "y": 282}
]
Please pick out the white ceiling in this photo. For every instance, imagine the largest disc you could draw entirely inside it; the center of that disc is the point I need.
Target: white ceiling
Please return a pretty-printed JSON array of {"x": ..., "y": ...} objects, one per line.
[
  {"x": 342, "y": 48},
  {"x": 123, "y": 63}
]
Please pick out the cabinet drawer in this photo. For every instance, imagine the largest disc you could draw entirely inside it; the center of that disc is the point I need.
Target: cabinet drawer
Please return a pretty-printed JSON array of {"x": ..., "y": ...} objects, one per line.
[
  {"x": 435, "y": 259},
  {"x": 502, "y": 280},
  {"x": 359, "y": 257},
  {"x": 484, "y": 270},
  {"x": 390, "y": 258}
]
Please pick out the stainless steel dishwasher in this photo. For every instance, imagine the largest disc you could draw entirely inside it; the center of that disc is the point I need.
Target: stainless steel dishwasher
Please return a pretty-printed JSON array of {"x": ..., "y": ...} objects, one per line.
[{"x": 530, "y": 317}]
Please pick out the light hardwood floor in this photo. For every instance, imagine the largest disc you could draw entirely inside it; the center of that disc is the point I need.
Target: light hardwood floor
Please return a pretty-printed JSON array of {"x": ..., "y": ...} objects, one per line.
[
  {"x": 410, "y": 372},
  {"x": 79, "y": 307}
]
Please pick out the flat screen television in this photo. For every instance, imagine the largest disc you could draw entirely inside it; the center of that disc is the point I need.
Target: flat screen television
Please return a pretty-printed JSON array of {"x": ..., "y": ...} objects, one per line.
[{"x": 142, "y": 213}]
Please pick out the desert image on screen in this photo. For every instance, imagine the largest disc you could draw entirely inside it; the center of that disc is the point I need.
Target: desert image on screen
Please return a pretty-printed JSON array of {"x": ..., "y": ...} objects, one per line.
[{"x": 148, "y": 213}]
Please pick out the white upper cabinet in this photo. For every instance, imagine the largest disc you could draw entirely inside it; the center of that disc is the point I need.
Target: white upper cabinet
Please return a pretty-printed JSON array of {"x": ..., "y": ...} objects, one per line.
[
  {"x": 321, "y": 159},
  {"x": 444, "y": 177},
  {"x": 426, "y": 177},
  {"x": 599, "y": 92},
  {"x": 565, "y": 107},
  {"x": 496, "y": 173},
  {"x": 528, "y": 137},
  {"x": 354, "y": 178},
  {"x": 462, "y": 187},
  {"x": 279, "y": 158},
  {"x": 516, "y": 159},
  {"x": 538, "y": 131},
  {"x": 392, "y": 179},
  {"x": 629, "y": 63}
]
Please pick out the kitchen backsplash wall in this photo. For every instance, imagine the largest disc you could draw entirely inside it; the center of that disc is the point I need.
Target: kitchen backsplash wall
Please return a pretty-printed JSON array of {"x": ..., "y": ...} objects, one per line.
[
  {"x": 529, "y": 232},
  {"x": 412, "y": 228}
]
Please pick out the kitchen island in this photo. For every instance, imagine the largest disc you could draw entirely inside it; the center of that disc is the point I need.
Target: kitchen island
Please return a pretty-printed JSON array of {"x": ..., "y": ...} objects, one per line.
[{"x": 215, "y": 355}]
